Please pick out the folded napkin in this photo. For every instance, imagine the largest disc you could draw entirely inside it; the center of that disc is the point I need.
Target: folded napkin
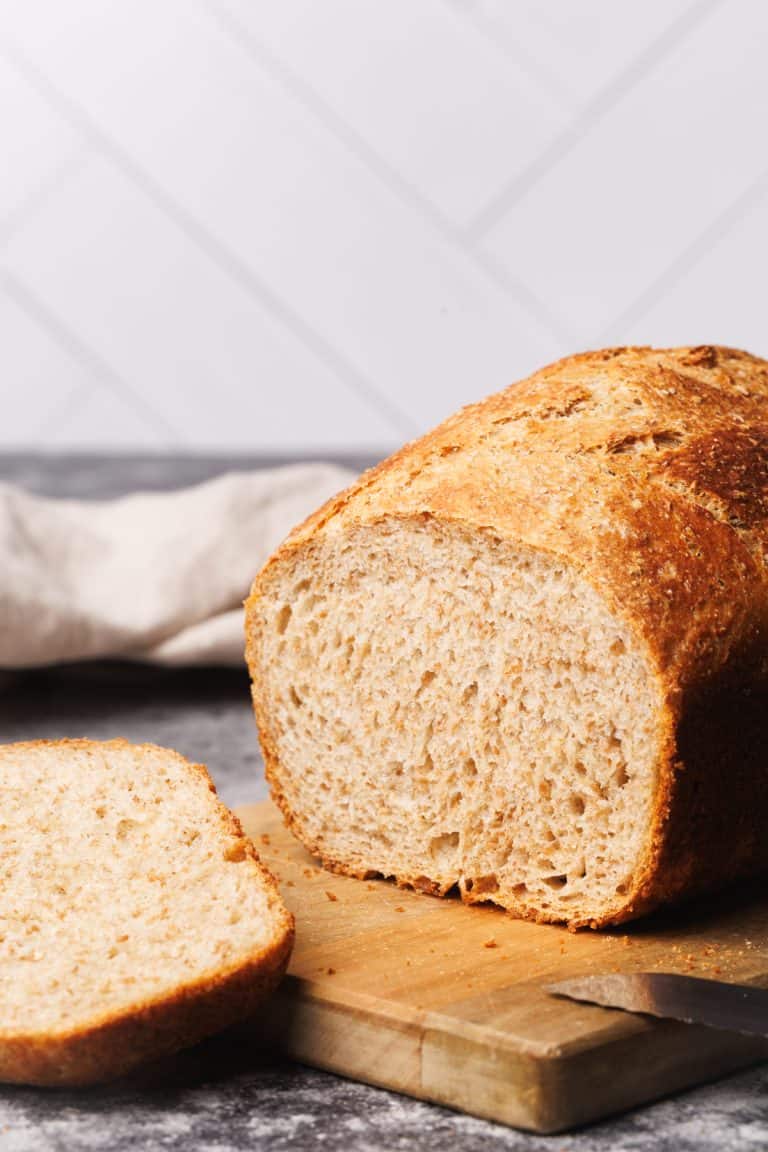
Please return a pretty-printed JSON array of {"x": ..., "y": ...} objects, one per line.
[{"x": 154, "y": 576}]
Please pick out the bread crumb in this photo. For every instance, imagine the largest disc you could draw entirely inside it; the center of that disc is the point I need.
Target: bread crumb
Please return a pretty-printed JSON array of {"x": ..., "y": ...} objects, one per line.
[
  {"x": 399, "y": 908},
  {"x": 371, "y": 887},
  {"x": 490, "y": 943},
  {"x": 290, "y": 884},
  {"x": 331, "y": 971},
  {"x": 265, "y": 838},
  {"x": 331, "y": 896}
]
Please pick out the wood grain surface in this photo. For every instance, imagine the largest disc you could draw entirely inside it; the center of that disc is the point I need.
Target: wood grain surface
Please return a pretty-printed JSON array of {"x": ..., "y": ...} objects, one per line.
[{"x": 445, "y": 1002}]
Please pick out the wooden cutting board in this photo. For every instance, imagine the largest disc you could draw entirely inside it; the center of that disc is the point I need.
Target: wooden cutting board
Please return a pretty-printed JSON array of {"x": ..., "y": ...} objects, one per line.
[{"x": 445, "y": 1002}]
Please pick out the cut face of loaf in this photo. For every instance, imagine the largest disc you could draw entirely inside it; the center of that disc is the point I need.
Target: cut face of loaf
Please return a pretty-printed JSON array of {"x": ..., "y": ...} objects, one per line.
[
  {"x": 526, "y": 657},
  {"x": 460, "y": 712},
  {"x": 135, "y": 917}
]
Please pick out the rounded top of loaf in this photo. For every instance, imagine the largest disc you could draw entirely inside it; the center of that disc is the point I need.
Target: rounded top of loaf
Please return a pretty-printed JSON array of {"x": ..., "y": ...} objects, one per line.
[{"x": 647, "y": 469}]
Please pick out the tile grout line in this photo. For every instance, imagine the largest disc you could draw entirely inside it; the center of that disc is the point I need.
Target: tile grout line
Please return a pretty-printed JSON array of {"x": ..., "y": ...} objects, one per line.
[
  {"x": 398, "y": 185},
  {"x": 37, "y": 198},
  {"x": 495, "y": 34},
  {"x": 82, "y": 354},
  {"x": 221, "y": 255},
  {"x": 66, "y": 405},
  {"x": 21, "y": 295},
  {"x": 715, "y": 231},
  {"x": 580, "y": 127},
  {"x": 40, "y": 195}
]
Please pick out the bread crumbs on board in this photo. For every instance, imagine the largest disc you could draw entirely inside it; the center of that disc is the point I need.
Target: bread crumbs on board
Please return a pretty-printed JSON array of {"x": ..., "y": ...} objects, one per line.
[{"x": 331, "y": 896}]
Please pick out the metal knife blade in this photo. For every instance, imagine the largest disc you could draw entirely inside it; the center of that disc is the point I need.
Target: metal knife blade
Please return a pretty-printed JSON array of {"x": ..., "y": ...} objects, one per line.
[{"x": 733, "y": 1007}]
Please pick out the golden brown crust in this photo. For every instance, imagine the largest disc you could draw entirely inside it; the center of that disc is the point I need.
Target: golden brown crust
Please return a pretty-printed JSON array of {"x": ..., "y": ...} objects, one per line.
[
  {"x": 647, "y": 470},
  {"x": 111, "y": 1044}
]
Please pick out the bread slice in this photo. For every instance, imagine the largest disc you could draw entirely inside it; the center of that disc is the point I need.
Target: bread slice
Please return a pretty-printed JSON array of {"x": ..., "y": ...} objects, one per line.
[
  {"x": 135, "y": 917},
  {"x": 526, "y": 656}
]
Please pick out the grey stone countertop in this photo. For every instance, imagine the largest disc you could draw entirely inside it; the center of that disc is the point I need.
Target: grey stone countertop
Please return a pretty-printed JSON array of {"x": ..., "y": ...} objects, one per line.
[{"x": 225, "y": 1093}]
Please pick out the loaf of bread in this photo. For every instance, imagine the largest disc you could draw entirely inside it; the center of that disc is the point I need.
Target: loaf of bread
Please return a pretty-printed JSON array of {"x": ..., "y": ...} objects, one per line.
[
  {"x": 527, "y": 655},
  {"x": 135, "y": 916}
]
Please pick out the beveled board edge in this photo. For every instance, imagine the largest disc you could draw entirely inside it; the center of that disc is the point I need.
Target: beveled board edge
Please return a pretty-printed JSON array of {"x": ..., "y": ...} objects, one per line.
[
  {"x": 435, "y": 1058},
  {"x": 483, "y": 1070}
]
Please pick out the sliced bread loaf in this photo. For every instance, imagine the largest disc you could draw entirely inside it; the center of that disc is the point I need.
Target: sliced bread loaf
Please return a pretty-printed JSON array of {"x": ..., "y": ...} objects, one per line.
[
  {"x": 526, "y": 656},
  {"x": 135, "y": 917}
]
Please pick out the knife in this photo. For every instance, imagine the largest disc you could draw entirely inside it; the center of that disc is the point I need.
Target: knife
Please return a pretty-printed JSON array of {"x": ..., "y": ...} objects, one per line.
[{"x": 733, "y": 1007}]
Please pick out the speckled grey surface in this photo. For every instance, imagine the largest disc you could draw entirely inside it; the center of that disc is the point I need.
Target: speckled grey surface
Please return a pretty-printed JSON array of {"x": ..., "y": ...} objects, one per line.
[
  {"x": 222, "y": 1096},
  {"x": 225, "y": 1094}
]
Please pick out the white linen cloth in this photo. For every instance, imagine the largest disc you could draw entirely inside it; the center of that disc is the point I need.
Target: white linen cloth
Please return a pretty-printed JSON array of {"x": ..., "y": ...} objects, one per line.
[{"x": 158, "y": 576}]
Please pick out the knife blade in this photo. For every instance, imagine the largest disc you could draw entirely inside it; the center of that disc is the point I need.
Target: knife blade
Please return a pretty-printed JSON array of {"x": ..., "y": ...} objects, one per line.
[{"x": 732, "y": 1007}]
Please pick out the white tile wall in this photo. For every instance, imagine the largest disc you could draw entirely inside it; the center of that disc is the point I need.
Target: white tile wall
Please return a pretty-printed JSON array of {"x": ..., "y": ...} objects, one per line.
[
  {"x": 180, "y": 334},
  {"x": 39, "y": 381},
  {"x": 580, "y": 48},
  {"x": 35, "y": 145},
  {"x": 283, "y": 224},
  {"x": 718, "y": 290},
  {"x": 649, "y": 178},
  {"x": 421, "y": 88}
]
